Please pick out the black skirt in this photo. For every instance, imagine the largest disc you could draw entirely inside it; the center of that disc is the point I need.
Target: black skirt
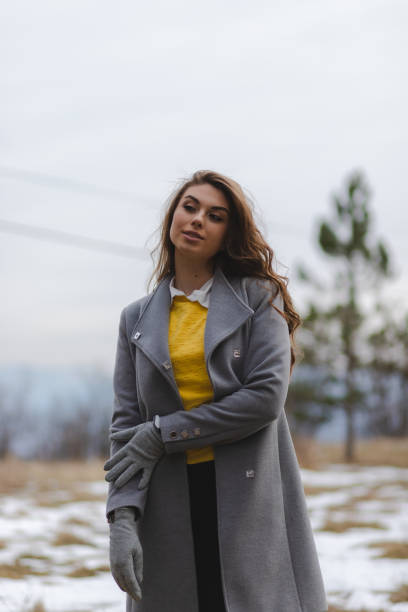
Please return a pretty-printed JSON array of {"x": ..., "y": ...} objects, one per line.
[{"x": 203, "y": 504}]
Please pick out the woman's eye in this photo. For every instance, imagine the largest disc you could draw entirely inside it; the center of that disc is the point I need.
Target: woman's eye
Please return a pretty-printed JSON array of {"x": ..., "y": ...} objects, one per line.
[{"x": 213, "y": 216}]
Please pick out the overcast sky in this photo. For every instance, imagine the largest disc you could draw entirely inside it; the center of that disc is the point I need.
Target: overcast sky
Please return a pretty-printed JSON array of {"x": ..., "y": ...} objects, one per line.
[{"x": 128, "y": 97}]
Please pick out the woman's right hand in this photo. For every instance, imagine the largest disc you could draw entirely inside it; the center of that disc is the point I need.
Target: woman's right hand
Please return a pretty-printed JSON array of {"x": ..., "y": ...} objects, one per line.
[
  {"x": 126, "y": 554},
  {"x": 141, "y": 453}
]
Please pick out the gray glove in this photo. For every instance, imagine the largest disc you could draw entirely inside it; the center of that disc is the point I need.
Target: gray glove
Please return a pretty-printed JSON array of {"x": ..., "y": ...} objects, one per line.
[
  {"x": 142, "y": 452},
  {"x": 125, "y": 552}
]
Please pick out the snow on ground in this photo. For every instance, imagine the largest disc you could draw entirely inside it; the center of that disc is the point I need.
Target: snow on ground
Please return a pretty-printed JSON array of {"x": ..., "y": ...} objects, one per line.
[
  {"x": 355, "y": 579},
  {"x": 57, "y": 532}
]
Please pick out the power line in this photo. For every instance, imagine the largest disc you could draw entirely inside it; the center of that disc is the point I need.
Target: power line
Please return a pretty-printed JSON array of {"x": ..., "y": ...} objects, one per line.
[
  {"x": 46, "y": 234},
  {"x": 63, "y": 183},
  {"x": 48, "y": 180},
  {"x": 68, "y": 184}
]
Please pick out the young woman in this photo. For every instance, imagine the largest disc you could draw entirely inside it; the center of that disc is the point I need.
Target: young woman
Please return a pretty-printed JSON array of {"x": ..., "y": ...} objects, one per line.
[{"x": 206, "y": 506}]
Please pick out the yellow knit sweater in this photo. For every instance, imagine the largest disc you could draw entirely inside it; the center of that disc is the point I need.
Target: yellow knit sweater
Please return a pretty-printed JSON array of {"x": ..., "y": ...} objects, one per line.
[{"x": 186, "y": 346}]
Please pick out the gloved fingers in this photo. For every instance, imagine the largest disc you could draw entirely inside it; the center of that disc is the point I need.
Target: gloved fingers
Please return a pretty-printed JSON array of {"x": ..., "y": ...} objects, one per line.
[
  {"x": 117, "y": 470},
  {"x": 125, "y": 434},
  {"x": 120, "y": 454},
  {"x": 126, "y": 580},
  {"x": 138, "y": 561},
  {"x": 132, "y": 585},
  {"x": 127, "y": 474},
  {"x": 117, "y": 576},
  {"x": 145, "y": 479}
]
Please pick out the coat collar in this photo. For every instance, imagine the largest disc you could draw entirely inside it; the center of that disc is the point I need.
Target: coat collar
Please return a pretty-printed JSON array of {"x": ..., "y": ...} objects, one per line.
[{"x": 227, "y": 312}]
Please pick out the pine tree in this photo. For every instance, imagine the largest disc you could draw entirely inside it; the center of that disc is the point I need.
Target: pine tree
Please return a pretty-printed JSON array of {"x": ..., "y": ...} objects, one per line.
[{"x": 358, "y": 262}]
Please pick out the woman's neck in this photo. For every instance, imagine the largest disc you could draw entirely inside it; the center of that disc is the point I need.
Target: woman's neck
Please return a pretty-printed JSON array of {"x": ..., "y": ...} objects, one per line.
[{"x": 190, "y": 275}]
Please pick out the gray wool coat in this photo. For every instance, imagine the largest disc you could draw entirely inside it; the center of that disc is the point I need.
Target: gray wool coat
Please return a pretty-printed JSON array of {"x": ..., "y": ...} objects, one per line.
[{"x": 267, "y": 551}]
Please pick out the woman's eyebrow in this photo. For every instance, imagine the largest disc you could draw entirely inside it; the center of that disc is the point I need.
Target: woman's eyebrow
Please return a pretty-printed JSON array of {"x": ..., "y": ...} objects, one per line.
[{"x": 211, "y": 207}]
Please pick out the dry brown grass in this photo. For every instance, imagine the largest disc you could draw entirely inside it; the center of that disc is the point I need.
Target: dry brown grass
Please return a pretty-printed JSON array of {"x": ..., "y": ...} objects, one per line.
[
  {"x": 16, "y": 474},
  {"x": 317, "y": 490},
  {"x": 390, "y": 549},
  {"x": 350, "y": 507},
  {"x": 34, "y": 556},
  {"x": 50, "y": 501},
  {"x": 74, "y": 520},
  {"x": 18, "y": 570},
  {"x": 86, "y": 572},
  {"x": 377, "y": 451},
  {"x": 400, "y": 595},
  {"x": 37, "y": 607},
  {"x": 65, "y": 538},
  {"x": 342, "y": 526},
  {"x": 373, "y": 493},
  {"x": 403, "y": 484}
]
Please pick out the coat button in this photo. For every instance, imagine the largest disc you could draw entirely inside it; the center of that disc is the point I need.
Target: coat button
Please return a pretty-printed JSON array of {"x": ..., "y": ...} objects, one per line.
[
  {"x": 173, "y": 434},
  {"x": 184, "y": 434},
  {"x": 166, "y": 365},
  {"x": 136, "y": 336},
  {"x": 196, "y": 431},
  {"x": 250, "y": 473}
]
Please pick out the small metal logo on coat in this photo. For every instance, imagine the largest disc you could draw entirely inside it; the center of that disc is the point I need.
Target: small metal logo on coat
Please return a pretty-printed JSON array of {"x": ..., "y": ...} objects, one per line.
[
  {"x": 237, "y": 353},
  {"x": 250, "y": 473}
]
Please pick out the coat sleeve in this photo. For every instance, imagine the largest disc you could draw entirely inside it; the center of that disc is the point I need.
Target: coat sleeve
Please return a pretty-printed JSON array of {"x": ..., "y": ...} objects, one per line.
[
  {"x": 125, "y": 414},
  {"x": 257, "y": 403}
]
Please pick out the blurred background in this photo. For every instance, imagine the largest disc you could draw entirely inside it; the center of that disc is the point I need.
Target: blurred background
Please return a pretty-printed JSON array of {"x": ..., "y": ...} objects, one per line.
[{"x": 106, "y": 107}]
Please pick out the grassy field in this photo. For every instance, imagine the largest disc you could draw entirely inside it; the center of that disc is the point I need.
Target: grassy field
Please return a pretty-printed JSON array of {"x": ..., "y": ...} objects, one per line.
[
  {"x": 54, "y": 536},
  {"x": 377, "y": 451},
  {"x": 15, "y": 473}
]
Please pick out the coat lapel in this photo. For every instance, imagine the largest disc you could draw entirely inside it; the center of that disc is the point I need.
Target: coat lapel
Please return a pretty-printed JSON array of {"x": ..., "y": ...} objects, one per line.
[{"x": 227, "y": 312}]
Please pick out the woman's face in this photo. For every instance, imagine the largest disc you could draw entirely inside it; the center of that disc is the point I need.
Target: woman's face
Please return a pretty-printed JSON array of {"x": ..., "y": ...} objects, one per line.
[{"x": 200, "y": 222}]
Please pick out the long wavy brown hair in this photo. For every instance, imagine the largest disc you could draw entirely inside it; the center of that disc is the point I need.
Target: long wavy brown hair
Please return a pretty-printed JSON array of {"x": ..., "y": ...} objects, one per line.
[{"x": 245, "y": 253}]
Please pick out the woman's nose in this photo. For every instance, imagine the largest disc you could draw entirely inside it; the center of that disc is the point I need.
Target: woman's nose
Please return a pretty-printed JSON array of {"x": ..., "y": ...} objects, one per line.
[{"x": 197, "y": 220}]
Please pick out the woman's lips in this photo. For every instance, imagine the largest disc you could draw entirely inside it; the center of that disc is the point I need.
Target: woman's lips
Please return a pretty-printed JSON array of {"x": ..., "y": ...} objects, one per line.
[{"x": 191, "y": 237}]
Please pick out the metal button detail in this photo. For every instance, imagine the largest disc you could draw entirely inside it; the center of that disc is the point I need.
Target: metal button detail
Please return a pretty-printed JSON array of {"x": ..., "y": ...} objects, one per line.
[
  {"x": 136, "y": 336},
  {"x": 196, "y": 431},
  {"x": 236, "y": 353},
  {"x": 167, "y": 365},
  {"x": 250, "y": 473},
  {"x": 184, "y": 434},
  {"x": 173, "y": 434}
]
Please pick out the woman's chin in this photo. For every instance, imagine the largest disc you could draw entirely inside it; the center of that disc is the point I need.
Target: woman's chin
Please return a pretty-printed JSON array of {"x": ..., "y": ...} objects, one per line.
[{"x": 190, "y": 250}]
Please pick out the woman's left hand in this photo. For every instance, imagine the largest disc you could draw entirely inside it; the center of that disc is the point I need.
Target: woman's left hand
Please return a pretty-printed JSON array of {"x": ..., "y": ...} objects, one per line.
[{"x": 142, "y": 451}]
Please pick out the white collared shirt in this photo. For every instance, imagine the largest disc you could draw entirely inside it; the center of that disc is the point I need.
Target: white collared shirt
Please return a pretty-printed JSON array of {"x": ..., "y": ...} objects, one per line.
[{"x": 201, "y": 295}]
